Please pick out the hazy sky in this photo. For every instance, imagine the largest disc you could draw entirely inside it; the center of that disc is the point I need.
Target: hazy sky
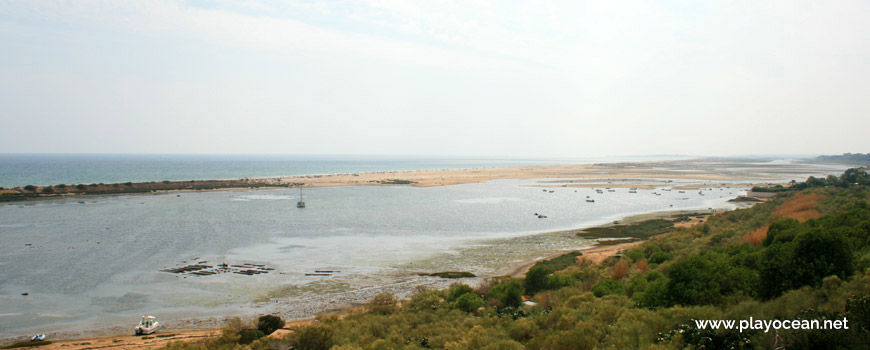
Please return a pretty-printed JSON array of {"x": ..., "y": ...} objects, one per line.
[{"x": 491, "y": 78}]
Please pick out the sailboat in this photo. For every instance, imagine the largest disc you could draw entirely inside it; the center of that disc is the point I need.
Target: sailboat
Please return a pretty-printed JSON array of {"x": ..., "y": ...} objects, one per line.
[{"x": 301, "y": 202}]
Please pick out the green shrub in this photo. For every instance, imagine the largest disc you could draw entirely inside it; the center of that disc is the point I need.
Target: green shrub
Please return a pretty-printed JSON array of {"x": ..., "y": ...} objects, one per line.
[
  {"x": 608, "y": 287},
  {"x": 383, "y": 303},
  {"x": 247, "y": 336},
  {"x": 469, "y": 302},
  {"x": 457, "y": 290},
  {"x": 314, "y": 337},
  {"x": 660, "y": 257},
  {"x": 699, "y": 279},
  {"x": 510, "y": 294}
]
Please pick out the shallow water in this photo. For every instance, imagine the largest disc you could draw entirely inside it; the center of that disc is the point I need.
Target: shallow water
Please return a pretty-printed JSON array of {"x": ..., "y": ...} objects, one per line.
[{"x": 95, "y": 262}]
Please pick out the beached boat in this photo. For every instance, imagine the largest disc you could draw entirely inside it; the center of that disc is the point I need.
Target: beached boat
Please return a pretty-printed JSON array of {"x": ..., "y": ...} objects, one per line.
[
  {"x": 147, "y": 325},
  {"x": 301, "y": 202},
  {"x": 38, "y": 337}
]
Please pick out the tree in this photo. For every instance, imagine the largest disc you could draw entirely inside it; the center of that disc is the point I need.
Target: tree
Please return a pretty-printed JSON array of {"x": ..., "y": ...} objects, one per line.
[
  {"x": 820, "y": 253},
  {"x": 269, "y": 323},
  {"x": 699, "y": 279},
  {"x": 536, "y": 280},
  {"x": 781, "y": 231}
]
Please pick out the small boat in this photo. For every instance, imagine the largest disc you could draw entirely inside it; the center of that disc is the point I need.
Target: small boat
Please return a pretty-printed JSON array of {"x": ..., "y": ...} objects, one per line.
[
  {"x": 540, "y": 216},
  {"x": 632, "y": 191},
  {"x": 38, "y": 337},
  {"x": 552, "y": 191},
  {"x": 301, "y": 203},
  {"x": 147, "y": 325},
  {"x": 590, "y": 200}
]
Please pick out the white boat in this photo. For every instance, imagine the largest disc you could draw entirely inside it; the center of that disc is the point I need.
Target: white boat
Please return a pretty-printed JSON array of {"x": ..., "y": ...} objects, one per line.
[
  {"x": 147, "y": 325},
  {"x": 38, "y": 337}
]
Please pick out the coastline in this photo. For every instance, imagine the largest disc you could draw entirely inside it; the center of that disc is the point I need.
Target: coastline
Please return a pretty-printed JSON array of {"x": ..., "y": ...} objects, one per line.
[{"x": 617, "y": 175}]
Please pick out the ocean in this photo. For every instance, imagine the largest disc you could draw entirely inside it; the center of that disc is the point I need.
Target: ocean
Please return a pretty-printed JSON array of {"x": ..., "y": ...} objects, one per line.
[{"x": 53, "y": 169}]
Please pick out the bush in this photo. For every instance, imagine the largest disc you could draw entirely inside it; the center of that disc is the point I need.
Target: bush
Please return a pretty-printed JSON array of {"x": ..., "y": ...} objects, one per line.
[
  {"x": 314, "y": 337},
  {"x": 660, "y": 257},
  {"x": 469, "y": 302},
  {"x": 80, "y": 186},
  {"x": 607, "y": 287},
  {"x": 457, "y": 290},
  {"x": 269, "y": 323},
  {"x": 510, "y": 294},
  {"x": 383, "y": 304},
  {"x": 699, "y": 279},
  {"x": 47, "y": 190},
  {"x": 654, "y": 295},
  {"x": 247, "y": 336},
  {"x": 30, "y": 188}
]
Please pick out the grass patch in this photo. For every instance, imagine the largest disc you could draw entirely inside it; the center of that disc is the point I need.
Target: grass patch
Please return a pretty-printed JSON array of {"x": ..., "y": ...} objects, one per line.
[
  {"x": 641, "y": 230},
  {"x": 27, "y": 344},
  {"x": 559, "y": 263},
  {"x": 166, "y": 335},
  {"x": 450, "y": 274},
  {"x": 147, "y": 338},
  {"x": 396, "y": 182},
  {"x": 608, "y": 242}
]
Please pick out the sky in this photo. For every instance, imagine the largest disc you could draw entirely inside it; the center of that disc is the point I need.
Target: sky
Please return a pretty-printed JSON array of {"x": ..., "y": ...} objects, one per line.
[{"x": 447, "y": 78}]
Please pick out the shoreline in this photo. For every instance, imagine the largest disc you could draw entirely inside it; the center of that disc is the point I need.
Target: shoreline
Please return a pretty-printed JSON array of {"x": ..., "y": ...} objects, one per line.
[
  {"x": 519, "y": 270},
  {"x": 616, "y": 175}
]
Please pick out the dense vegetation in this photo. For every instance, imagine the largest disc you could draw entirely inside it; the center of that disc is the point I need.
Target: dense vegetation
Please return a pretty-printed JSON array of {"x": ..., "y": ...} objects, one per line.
[
  {"x": 31, "y": 191},
  {"x": 846, "y": 158},
  {"x": 803, "y": 255}
]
